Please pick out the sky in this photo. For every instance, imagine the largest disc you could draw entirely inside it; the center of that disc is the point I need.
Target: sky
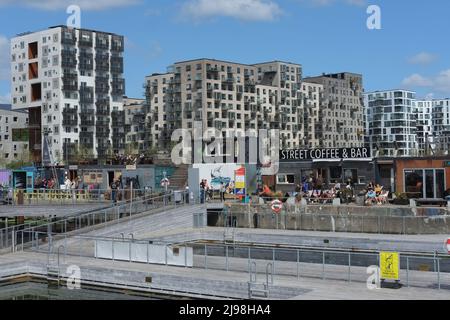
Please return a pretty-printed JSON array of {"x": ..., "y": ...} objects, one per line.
[{"x": 410, "y": 51}]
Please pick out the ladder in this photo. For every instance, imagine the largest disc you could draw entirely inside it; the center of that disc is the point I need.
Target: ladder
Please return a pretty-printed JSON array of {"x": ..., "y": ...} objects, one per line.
[
  {"x": 260, "y": 290},
  {"x": 53, "y": 267}
]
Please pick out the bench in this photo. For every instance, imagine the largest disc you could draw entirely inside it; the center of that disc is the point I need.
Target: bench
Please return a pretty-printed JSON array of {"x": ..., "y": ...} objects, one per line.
[{"x": 434, "y": 202}]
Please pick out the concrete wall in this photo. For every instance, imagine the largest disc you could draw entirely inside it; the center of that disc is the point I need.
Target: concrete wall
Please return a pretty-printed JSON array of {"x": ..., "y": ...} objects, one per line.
[{"x": 334, "y": 219}]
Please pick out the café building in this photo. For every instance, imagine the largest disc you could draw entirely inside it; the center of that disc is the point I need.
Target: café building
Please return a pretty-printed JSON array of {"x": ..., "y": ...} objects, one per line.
[{"x": 354, "y": 165}]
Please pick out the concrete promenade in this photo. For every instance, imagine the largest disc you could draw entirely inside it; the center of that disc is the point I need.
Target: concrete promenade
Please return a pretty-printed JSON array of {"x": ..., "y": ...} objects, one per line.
[{"x": 208, "y": 277}]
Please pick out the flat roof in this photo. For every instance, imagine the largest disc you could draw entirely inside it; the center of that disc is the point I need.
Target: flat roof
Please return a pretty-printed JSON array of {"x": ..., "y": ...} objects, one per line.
[
  {"x": 234, "y": 62},
  {"x": 63, "y": 26}
]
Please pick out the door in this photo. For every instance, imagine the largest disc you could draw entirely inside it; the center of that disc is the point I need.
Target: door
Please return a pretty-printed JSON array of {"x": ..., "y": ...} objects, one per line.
[{"x": 30, "y": 182}]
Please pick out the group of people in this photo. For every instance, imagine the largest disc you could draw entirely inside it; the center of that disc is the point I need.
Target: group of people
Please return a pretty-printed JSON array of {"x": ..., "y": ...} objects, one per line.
[
  {"x": 47, "y": 184},
  {"x": 207, "y": 191},
  {"x": 375, "y": 194}
]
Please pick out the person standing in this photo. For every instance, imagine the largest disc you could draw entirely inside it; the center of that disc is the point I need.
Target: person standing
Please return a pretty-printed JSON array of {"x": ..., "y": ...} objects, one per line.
[
  {"x": 202, "y": 191},
  {"x": 114, "y": 186},
  {"x": 222, "y": 192}
]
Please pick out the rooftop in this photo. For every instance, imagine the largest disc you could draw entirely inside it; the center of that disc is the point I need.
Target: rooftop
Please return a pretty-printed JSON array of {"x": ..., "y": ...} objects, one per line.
[{"x": 63, "y": 26}]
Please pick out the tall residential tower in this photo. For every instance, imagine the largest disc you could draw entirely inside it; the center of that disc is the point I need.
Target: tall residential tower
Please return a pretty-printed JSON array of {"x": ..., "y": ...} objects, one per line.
[{"x": 71, "y": 81}]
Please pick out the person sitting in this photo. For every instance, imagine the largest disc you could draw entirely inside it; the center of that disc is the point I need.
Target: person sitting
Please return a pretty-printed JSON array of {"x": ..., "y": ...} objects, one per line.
[
  {"x": 371, "y": 197},
  {"x": 378, "y": 189},
  {"x": 266, "y": 192}
]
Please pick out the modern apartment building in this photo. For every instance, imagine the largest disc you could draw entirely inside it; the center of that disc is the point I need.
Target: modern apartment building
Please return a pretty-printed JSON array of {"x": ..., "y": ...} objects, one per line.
[
  {"x": 226, "y": 95},
  {"x": 13, "y": 135},
  {"x": 391, "y": 122},
  {"x": 314, "y": 115},
  {"x": 425, "y": 139},
  {"x": 341, "y": 115},
  {"x": 441, "y": 126},
  {"x": 136, "y": 129},
  {"x": 71, "y": 81}
]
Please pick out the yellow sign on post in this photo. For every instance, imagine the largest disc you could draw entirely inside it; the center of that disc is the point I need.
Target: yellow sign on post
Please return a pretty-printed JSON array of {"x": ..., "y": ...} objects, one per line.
[{"x": 389, "y": 265}]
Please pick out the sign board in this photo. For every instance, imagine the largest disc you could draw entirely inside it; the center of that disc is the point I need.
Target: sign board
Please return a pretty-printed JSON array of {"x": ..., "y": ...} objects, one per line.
[
  {"x": 325, "y": 154},
  {"x": 239, "y": 182},
  {"x": 276, "y": 206},
  {"x": 447, "y": 245},
  {"x": 446, "y": 164},
  {"x": 131, "y": 167},
  {"x": 73, "y": 167},
  {"x": 389, "y": 265}
]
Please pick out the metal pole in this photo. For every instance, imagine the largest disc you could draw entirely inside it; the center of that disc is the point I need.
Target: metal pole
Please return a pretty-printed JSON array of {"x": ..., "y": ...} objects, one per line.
[
  {"x": 273, "y": 259},
  {"x": 226, "y": 251},
  {"x": 131, "y": 195},
  {"x": 323, "y": 265},
  {"x": 439, "y": 274},
  {"x": 349, "y": 266},
  {"x": 206, "y": 254},
  {"x": 298, "y": 261}
]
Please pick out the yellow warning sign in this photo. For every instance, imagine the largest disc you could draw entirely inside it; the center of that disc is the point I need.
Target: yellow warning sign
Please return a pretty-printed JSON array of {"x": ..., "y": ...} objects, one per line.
[{"x": 390, "y": 265}]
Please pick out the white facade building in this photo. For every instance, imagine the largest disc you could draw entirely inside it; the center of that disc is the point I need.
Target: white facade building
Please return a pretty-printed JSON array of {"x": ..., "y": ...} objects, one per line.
[
  {"x": 71, "y": 82},
  {"x": 13, "y": 135},
  {"x": 391, "y": 123}
]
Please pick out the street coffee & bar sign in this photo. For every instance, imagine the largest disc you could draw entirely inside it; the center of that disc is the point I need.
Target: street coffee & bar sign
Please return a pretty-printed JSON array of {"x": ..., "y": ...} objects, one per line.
[{"x": 324, "y": 154}]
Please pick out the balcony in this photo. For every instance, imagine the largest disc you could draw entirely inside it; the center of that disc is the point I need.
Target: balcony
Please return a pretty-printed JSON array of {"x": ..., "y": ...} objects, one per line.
[
  {"x": 87, "y": 121},
  {"x": 70, "y": 82},
  {"x": 117, "y": 44},
  {"x": 118, "y": 86},
  {"x": 101, "y": 41},
  {"x": 86, "y": 61},
  {"x": 70, "y": 121},
  {"x": 86, "y": 39},
  {"x": 86, "y": 95},
  {"x": 68, "y": 37},
  {"x": 102, "y": 62},
  {"x": 116, "y": 64}
]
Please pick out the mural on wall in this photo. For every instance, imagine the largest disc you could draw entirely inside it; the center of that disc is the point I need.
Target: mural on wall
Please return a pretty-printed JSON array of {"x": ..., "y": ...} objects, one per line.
[{"x": 216, "y": 174}]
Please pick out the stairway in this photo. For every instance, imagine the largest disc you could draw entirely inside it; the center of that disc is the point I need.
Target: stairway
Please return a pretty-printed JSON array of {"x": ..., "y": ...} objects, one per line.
[{"x": 178, "y": 179}]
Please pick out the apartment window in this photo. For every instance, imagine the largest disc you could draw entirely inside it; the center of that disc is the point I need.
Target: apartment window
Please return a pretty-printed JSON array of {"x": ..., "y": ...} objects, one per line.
[
  {"x": 285, "y": 179},
  {"x": 15, "y": 119}
]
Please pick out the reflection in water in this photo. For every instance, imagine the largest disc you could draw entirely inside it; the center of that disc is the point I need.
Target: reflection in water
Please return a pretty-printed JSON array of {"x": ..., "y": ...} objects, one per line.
[{"x": 41, "y": 291}]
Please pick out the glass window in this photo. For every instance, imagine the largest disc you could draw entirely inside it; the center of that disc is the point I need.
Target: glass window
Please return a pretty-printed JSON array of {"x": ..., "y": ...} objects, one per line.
[
  {"x": 440, "y": 183},
  {"x": 429, "y": 184},
  {"x": 414, "y": 182}
]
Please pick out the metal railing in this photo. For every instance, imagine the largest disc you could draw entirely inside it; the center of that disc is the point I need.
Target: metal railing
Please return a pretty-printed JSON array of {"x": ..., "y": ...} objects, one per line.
[
  {"x": 73, "y": 196},
  {"x": 417, "y": 269},
  {"x": 16, "y": 237}
]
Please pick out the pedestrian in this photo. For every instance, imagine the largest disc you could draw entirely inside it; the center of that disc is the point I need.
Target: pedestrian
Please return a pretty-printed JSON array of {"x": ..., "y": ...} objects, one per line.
[
  {"x": 202, "y": 191},
  {"x": 114, "y": 186},
  {"x": 222, "y": 192}
]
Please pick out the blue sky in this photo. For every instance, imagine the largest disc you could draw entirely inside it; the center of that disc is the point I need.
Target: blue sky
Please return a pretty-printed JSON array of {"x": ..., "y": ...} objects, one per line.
[{"x": 410, "y": 51}]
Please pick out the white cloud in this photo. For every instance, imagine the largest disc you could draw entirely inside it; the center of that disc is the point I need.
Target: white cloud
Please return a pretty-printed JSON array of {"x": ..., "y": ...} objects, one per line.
[
  {"x": 63, "y": 4},
  {"x": 247, "y": 10},
  {"x": 439, "y": 83},
  {"x": 422, "y": 58},
  {"x": 5, "y": 99},
  {"x": 4, "y": 58},
  {"x": 322, "y": 3}
]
